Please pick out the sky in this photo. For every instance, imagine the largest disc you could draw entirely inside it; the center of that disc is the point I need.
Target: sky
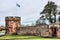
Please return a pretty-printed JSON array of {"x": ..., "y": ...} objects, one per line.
[{"x": 29, "y": 10}]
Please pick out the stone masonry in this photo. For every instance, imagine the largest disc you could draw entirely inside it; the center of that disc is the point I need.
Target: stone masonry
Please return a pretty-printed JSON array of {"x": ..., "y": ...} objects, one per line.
[
  {"x": 54, "y": 30},
  {"x": 39, "y": 30},
  {"x": 12, "y": 24}
]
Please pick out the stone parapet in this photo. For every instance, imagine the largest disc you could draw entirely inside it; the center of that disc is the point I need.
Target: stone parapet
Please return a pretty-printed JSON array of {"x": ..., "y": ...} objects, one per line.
[{"x": 12, "y": 18}]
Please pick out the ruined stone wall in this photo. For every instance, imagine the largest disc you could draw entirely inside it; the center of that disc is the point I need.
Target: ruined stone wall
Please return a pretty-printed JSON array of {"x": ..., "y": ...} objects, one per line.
[
  {"x": 42, "y": 30},
  {"x": 12, "y": 25},
  {"x": 2, "y": 28},
  {"x": 29, "y": 31},
  {"x": 58, "y": 30},
  {"x": 51, "y": 29}
]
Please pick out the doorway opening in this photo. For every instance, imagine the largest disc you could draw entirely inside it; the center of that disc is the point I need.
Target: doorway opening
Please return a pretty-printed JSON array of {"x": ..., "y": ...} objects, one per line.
[{"x": 54, "y": 32}]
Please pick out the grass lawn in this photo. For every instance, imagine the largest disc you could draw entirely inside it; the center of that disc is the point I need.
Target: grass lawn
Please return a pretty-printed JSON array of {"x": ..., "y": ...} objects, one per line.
[{"x": 17, "y": 37}]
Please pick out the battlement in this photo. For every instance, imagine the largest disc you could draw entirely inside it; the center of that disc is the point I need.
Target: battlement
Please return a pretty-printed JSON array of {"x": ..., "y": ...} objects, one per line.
[{"x": 10, "y": 18}]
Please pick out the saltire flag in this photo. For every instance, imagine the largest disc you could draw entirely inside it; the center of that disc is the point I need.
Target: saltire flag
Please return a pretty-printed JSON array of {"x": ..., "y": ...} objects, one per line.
[{"x": 17, "y": 5}]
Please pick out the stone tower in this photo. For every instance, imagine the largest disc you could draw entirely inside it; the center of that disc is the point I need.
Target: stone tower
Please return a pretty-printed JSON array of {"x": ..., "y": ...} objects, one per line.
[{"x": 12, "y": 24}]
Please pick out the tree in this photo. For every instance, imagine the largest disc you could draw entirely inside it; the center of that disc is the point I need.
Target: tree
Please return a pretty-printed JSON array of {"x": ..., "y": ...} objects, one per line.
[
  {"x": 32, "y": 24},
  {"x": 41, "y": 20},
  {"x": 59, "y": 19},
  {"x": 50, "y": 10}
]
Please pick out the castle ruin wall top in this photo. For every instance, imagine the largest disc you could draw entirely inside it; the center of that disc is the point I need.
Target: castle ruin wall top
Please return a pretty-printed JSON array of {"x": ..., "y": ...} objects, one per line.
[{"x": 10, "y": 18}]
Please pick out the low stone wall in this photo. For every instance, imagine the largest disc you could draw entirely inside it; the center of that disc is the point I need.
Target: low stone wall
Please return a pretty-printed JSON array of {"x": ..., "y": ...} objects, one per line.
[
  {"x": 29, "y": 31},
  {"x": 2, "y": 28},
  {"x": 45, "y": 31},
  {"x": 42, "y": 30}
]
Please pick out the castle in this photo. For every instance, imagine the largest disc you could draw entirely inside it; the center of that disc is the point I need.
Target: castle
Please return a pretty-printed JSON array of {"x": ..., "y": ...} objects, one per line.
[{"x": 13, "y": 26}]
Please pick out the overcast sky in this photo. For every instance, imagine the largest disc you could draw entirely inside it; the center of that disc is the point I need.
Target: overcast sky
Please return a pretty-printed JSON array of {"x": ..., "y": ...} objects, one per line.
[{"x": 29, "y": 10}]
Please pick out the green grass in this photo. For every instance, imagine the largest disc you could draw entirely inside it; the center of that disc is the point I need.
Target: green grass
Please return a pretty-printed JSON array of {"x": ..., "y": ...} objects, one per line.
[{"x": 17, "y": 37}]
